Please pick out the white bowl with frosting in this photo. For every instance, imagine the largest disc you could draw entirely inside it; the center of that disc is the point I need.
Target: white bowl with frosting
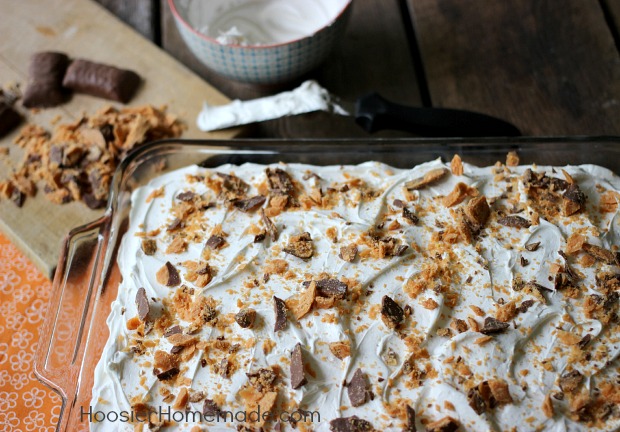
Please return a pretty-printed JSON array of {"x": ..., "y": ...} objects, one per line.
[{"x": 261, "y": 41}]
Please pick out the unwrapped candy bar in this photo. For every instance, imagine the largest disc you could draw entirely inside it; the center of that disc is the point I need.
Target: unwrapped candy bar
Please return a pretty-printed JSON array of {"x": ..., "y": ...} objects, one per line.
[
  {"x": 46, "y": 72},
  {"x": 101, "y": 80},
  {"x": 9, "y": 119}
]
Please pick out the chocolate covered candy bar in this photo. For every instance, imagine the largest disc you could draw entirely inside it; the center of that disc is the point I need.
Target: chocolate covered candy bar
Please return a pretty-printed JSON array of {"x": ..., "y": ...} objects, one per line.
[
  {"x": 46, "y": 72},
  {"x": 9, "y": 119},
  {"x": 101, "y": 80}
]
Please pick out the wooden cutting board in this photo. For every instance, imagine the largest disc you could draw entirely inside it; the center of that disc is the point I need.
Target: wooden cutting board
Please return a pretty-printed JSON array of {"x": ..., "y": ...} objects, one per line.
[{"x": 82, "y": 28}]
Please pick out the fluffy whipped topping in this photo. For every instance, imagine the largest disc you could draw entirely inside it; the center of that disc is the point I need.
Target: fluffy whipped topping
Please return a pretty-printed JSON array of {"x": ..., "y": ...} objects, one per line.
[
  {"x": 262, "y": 22},
  {"x": 530, "y": 356}
]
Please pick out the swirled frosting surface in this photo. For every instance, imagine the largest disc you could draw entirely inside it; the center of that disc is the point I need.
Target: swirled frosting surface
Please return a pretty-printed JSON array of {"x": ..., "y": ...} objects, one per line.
[{"x": 551, "y": 280}]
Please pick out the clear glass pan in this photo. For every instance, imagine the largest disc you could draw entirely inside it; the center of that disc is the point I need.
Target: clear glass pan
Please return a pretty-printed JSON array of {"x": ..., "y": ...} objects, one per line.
[{"x": 74, "y": 330}]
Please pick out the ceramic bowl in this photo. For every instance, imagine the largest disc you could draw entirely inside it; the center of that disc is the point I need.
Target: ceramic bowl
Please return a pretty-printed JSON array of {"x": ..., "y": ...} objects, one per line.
[{"x": 268, "y": 63}]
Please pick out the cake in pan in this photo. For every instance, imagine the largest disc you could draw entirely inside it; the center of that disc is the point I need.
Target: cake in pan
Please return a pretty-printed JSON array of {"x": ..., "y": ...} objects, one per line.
[{"x": 352, "y": 298}]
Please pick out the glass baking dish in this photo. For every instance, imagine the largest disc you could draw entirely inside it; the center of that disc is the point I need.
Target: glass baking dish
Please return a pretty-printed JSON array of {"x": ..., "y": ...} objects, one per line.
[{"x": 74, "y": 331}]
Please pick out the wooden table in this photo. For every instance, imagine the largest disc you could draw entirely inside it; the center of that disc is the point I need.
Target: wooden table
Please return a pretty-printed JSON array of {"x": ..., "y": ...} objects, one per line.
[{"x": 551, "y": 67}]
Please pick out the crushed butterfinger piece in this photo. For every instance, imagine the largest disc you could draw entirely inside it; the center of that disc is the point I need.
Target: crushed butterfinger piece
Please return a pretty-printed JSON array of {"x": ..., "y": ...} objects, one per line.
[
  {"x": 341, "y": 350},
  {"x": 429, "y": 178},
  {"x": 458, "y": 194},
  {"x": 302, "y": 304},
  {"x": 168, "y": 275},
  {"x": 177, "y": 246},
  {"x": 348, "y": 253},
  {"x": 512, "y": 159},
  {"x": 300, "y": 246},
  {"x": 180, "y": 403},
  {"x": 456, "y": 165},
  {"x": 575, "y": 243},
  {"x": 547, "y": 406}
]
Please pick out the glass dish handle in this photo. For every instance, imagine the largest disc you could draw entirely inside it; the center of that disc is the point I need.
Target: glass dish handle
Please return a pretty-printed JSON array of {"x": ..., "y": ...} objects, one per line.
[{"x": 65, "y": 327}]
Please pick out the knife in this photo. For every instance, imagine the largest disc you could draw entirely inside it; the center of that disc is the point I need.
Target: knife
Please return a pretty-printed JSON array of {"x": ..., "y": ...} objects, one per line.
[{"x": 372, "y": 112}]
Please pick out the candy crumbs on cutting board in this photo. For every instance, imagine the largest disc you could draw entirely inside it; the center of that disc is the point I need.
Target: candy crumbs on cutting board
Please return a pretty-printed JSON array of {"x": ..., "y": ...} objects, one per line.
[{"x": 76, "y": 162}]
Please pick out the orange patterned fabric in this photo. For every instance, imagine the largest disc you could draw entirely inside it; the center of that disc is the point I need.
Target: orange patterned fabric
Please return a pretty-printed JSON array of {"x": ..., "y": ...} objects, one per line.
[{"x": 26, "y": 404}]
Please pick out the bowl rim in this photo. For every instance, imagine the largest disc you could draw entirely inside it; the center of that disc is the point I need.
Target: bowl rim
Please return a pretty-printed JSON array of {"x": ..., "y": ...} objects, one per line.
[{"x": 179, "y": 18}]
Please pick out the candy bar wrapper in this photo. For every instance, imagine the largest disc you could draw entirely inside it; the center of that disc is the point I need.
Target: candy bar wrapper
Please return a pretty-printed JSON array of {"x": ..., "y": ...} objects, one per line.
[
  {"x": 101, "y": 80},
  {"x": 46, "y": 73}
]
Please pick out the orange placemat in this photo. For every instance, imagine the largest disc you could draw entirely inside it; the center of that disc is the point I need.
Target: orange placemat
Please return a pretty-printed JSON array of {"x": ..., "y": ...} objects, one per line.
[{"x": 26, "y": 404}]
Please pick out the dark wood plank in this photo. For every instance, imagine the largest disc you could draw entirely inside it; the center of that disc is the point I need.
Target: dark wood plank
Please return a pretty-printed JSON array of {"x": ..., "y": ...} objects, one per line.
[
  {"x": 373, "y": 56},
  {"x": 612, "y": 11},
  {"x": 551, "y": 69},
  {"x": 139, "y": 14}
]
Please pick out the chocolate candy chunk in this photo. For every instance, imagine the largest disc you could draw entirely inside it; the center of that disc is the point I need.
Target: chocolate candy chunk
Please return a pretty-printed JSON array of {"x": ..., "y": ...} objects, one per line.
[
  {"x": 391, "y": 313},
  {"x": 446, "y": 424},
  {"x": 410, "y": 427},
  {"x": 573, "y": 200},
  {"x": 514, "y": 222},
  {"x": 167, "y": 374},
  {"x": 477, "y": 212},
  {"x": 525, "y": 305},
  {"x": 246, "y": 317},
  {"x": 601, "y": 254},
  {"x": 574, "y": 194},
  {"x": 358, "y": 388},
  {"x": 492, "y": 326},
  {"x": 9, "y": 119},
  {"x": 224, "y": 368},
  {"x": 233, "y": 187},
  {"x": 298, "y": 373},
  {"x": 93, "y": 202},
  {"x": 210, "y": 408},
  {"x": 400, "y": 249},
  {"x": 186, "y": 196},
  {"x": 348, "y": 253},
  {"x": 176, "y": 224},
  {"x": 399, "y": 203},
  {"x": 149, "y": 246},
  {"x": 250, "y": 204},
  {"x": 168, "y": 275},
  {"x": 350, "y": 424},
  {"x": 279, "y": 309},
  {"x": 215, "y": 242},
  {"x": 45, "y": 80},
  {"x": 476, "y": 401},
  {"x": 142, "y": 304},
  {"x": 584, "y": 341},
  {"x": 429, "y": 178},
  {"x": 18, "y": 197},
  {"x": 407, "y": 214},
  {"x": 258, "y": 238},
  {"x": 331, "y": 288},
  {"x": 262, "y": 379},
  {"x": 172, "y": 331},
  {"x": 532, "y": 247},
  {"x": 300, "y": 246},
  {"x": 570, "y": 381},
  {"x": 56, "y": 155},
  {"x": 101, "y": 80},
  {"x": 280, "y": 182},
  {"x": 270, "y": 227}
]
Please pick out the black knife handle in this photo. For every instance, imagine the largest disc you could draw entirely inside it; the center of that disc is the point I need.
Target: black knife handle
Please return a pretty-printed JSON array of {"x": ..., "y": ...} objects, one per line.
[{"x": 374, "y": 113}]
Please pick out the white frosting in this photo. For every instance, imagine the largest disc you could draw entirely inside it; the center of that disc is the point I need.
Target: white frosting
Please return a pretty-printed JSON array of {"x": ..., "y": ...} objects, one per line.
[
  {"x": 308, "y": 97},
  {"x": 492, "y": 267},
  {"x": 262, "y": 22}
]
